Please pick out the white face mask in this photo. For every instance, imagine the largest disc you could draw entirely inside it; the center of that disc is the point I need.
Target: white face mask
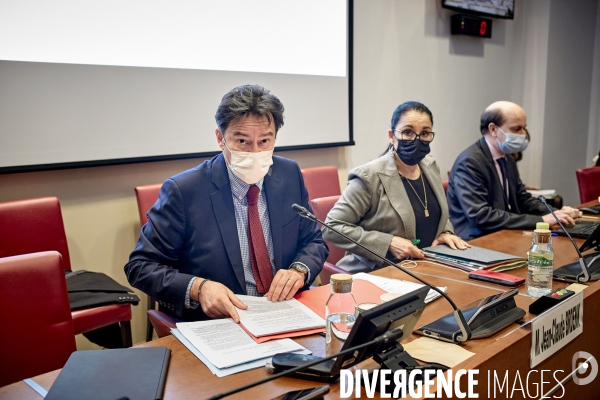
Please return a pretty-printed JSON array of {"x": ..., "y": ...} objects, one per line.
[{"x": 250, "y": 167}]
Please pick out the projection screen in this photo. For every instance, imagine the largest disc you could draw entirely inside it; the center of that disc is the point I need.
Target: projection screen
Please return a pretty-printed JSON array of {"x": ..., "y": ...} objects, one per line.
[{"x": 93, "y": 82}]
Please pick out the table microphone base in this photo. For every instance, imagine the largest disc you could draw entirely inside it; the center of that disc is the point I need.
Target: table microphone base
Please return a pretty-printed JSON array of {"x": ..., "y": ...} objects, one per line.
[
  {"x": 572, "y": 272},
  {"x": 320, "y": 373},
  {"x": 395, "y": 359}
]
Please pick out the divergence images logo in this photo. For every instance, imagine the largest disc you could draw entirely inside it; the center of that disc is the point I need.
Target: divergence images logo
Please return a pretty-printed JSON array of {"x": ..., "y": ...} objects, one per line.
[{"x": 588, "y": 360}]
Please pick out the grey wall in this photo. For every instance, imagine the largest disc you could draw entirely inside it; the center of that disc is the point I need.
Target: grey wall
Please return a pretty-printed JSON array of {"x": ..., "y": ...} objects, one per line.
[
  {"x": 594, "y": 129},
  {"x": 404, "y": 51},
  {"x": 568, "y": 92}
]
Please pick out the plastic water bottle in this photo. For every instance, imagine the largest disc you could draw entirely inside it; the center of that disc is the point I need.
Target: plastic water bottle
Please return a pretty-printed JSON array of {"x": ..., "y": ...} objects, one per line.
[
  {"x": 540, "y": 262},
  {"x": 339, "y": 310}
]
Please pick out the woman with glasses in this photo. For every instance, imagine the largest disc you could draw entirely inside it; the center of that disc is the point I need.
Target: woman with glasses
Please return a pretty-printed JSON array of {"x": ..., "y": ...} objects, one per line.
[{"x": 394, "y": 205}]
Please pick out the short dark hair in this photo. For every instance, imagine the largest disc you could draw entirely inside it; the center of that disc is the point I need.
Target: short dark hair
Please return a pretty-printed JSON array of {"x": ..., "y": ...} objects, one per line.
[
  {"x": 403, "y": 109},
  {"x": 409, "y": 106},
  {"x": 494, "y": 116},
  {"x": 246, "y": 100}
]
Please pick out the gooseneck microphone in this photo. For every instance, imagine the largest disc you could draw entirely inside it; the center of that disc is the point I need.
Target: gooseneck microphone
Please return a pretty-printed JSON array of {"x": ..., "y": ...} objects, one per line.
[
  {"x": 460, "y": 318},
  {"x": 584, "y": 268},
  {"x": 388, "y": 337}
]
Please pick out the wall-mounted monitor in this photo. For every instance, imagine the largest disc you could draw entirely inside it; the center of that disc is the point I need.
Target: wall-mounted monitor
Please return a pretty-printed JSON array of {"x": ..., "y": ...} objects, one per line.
[{"x": 491, "y": 8}]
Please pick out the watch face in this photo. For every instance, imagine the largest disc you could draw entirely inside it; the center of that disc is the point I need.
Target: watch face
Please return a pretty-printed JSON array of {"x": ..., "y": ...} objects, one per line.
[{"x": 300, "y": 268}]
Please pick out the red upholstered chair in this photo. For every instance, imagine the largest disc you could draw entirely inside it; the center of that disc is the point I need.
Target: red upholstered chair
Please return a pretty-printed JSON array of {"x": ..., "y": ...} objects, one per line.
[
  {"x": 36, "y": 225},
  {"x": 588, "y": 180},
  {"x": 146, "y": 196},
  {"x": 37, "y": 332},
  {"x": 161, "y": 322},
  {"x": 321, "y": 207},
  {"x": 445, "y": 185},
  {"x": 321, "y": 181}
]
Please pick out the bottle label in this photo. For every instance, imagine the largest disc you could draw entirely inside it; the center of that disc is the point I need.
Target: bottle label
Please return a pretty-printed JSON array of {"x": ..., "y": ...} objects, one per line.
[{"x": 541, "y": 261}]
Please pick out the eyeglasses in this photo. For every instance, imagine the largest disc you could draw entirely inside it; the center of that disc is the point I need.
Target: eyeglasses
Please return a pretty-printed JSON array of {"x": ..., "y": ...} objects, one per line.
[{"x": 411, "y": 135}]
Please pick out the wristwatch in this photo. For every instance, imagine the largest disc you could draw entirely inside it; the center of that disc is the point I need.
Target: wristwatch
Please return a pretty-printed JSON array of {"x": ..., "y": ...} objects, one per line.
[{"x": 301, "y": 268}]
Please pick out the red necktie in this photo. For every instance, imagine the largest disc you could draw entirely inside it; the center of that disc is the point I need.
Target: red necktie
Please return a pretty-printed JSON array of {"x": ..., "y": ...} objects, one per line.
[{"x": 259, "y": 256}]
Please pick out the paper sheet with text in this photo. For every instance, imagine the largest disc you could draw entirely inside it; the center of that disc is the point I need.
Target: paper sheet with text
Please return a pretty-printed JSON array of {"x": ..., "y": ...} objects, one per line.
[
  {"x": 224, "y": 343},
  {"x": 221, "y": 372},
  {"x": 264, "y": 317},
  {"x": 392, "y": 285}
]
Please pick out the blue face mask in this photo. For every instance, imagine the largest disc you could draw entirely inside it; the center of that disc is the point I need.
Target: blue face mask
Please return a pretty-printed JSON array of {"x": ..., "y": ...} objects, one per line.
[{"x": 513, "y": 143}]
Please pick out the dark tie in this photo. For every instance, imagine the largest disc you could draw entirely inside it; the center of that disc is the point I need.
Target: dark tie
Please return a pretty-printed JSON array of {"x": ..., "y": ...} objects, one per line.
[
  {"x": 502, "y": 163},
  {"x": 259, "y": 256}
]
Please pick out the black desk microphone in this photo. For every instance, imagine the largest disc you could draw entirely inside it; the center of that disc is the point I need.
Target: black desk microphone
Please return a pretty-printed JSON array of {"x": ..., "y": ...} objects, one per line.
[
  {"x": 584, "y": 268},
  {"x": 460, "y": 318}
]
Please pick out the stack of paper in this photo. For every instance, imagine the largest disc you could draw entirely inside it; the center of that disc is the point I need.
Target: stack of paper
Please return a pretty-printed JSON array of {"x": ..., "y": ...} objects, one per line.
[
  {"x": 263, "y": 318},
  {"x": 391, "y": 285},
  {"x": 224, "y": 347},
  {"x": 474, "y": 258}
]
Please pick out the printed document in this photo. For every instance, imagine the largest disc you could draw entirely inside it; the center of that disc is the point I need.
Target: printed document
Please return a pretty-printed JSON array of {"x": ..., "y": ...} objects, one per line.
[
  {"x": 392, "y": 285},
  {"x": 221, "y": 372},
  {"x": 264, "y": 317},
  {"x": 224, "y": 343}
]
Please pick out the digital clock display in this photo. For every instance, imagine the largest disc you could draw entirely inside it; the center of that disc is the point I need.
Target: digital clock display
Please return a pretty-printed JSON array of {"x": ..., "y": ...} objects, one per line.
[{"x": 472, "y": 26}]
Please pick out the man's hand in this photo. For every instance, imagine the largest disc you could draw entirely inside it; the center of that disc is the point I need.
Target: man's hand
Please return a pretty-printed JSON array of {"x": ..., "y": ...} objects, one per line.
[
  {"x": 285, "y": 285},
  {"x": 403, "y": 248},
  {"x": 218, "y": 301},
  {"x": 451, "y": 240},
  {"x": 565, "y": 216},
  {"x": 575, "y": 213}
]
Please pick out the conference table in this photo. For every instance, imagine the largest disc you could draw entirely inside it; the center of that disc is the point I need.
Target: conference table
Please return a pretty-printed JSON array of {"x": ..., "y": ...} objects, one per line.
[{"x": 508, "y": 350}]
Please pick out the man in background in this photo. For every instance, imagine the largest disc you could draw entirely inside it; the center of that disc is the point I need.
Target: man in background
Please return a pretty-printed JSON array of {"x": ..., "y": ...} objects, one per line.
[
  {"x": 485, "y": 192},
  {"x": 227, "y": 226}
]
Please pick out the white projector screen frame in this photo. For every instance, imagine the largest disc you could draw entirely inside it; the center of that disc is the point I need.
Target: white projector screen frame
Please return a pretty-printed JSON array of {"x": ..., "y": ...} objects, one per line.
[{"x": 58, "y": 113}]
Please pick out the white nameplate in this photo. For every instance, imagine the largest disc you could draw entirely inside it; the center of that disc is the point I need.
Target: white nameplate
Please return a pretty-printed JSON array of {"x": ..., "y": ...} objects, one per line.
[{"x": 553, "y": 329}]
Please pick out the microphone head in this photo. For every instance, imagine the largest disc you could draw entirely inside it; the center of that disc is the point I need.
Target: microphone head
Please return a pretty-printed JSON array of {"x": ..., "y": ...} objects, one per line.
[
  {"x": 542, "y": 199},
  {"x": 298, "y": 209}
]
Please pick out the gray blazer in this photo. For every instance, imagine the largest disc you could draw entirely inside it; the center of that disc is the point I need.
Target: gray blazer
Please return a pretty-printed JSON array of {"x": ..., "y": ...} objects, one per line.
[{"x": 375, "y": 207}]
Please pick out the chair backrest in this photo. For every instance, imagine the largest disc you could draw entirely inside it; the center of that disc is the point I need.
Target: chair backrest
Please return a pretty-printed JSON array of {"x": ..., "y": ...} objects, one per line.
[
  {"x": 321, "y": 181},
  {"x": 445, "y": 185},
  {"x": 146, "y": 197},
  {"x": 321, "y": 208},
  {"x": 588, "y": 180},
  {"x": 31, "y": 226},
  {"x": 37, "y": 331}
]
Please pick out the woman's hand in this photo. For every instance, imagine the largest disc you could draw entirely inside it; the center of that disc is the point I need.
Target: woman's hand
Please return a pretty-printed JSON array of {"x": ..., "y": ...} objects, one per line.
[
  {"x": 451, "y": 240},
  {"x": 403, "y": 248}
]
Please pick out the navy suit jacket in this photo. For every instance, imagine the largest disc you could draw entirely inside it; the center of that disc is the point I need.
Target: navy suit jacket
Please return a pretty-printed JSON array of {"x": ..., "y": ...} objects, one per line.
[
  {"x": 192, "y": 232},
  {"x": 477, "y": 205}
]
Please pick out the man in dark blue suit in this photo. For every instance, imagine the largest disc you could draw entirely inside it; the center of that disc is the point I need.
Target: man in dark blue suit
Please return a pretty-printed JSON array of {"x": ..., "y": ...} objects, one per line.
[
  {"x": 485, "y": 192},
  {"x": 227, "y": 227}
]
